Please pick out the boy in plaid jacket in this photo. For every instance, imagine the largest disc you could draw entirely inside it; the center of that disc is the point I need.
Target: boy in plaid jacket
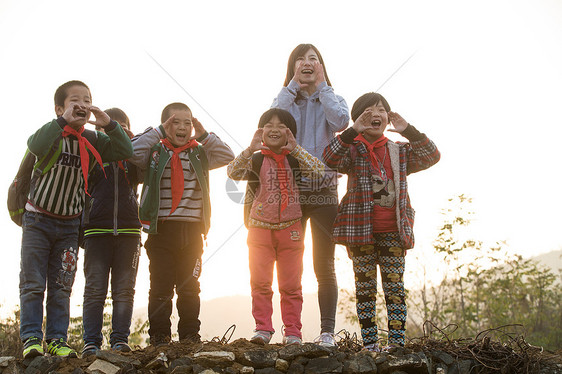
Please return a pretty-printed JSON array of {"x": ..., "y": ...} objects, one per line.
[{"x": 375, "y": 219}]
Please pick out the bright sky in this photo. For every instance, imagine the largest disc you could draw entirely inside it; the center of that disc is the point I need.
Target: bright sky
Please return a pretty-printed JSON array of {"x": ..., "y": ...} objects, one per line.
[{"x": 483, "y": 81}]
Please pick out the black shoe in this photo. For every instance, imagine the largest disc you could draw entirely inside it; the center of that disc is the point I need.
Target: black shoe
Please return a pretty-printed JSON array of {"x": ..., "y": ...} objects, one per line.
[
  {"x": 89, "y": 349},
  {"x": 121, "y": 347},
  {"x": 159, "y": 340},
  {"x": 193, "y": 338}
]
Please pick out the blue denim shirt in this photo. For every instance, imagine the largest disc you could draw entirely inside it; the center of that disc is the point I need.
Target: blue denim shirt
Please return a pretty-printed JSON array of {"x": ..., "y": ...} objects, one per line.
[{"x": 318, "y": 116}]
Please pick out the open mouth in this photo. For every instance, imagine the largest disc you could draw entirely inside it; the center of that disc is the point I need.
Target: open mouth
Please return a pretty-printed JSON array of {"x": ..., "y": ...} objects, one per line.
[
  {"x": 81, "y": 113},
  {"x": 376, "y": 123},
  {"x": 274, "y": 137},
  {"x": 307, "y": 71}
]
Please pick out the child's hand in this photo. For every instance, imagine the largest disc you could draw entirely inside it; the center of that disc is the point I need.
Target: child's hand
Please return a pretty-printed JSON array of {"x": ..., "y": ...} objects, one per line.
[
  {"x": 255, "y": 145},
  {"x": 168, "y": 124},
  {"x": 364, "y": 121},
  {"x": 198, "y": 127},
  {"x": 291, "y": 141},
  {"x": 76, "y": 115},
  {"x": 102, "y": 119},
  {"x": 397, "y": 121}
]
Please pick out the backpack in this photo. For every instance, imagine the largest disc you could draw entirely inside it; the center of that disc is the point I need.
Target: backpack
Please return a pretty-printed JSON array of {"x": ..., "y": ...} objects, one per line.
[
  {"x": 22, "y": 187},
  {"x": 254, "y": 181}
]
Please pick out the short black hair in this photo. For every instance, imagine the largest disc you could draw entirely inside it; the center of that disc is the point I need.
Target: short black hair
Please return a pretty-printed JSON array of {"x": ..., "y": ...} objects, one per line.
[
  {"x": 365, "y": 101},
  {"x": 175, "y": 106},
  {"x": 118, "y": 115},
  {"x": 62, "y": 92},
  {"x": 285, "y": 118}
]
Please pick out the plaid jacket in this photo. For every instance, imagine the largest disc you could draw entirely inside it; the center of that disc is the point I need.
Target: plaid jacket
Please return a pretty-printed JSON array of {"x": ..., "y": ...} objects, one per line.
[{"x": 353, "y": 225}]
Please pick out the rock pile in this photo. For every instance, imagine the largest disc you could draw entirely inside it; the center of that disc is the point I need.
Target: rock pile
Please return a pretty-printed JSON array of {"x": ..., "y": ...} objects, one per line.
[{"x": 243, "y": 357}]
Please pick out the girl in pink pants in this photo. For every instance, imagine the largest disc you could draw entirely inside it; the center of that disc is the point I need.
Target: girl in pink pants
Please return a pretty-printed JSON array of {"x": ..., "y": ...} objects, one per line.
[{"x": 273, "y": 217}]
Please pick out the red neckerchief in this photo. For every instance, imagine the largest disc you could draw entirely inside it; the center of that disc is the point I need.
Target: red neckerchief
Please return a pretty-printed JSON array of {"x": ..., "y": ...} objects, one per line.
[
  {"x": 379, "y": 143},
  {"x": 281, "y": 173},
  {"x": 177, "y": 170},
  {"x": 84, "y": 145}
]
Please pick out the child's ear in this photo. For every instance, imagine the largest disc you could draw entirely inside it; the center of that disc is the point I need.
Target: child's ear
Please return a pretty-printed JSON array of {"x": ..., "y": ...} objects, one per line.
[{"x": 59, "y": 110}]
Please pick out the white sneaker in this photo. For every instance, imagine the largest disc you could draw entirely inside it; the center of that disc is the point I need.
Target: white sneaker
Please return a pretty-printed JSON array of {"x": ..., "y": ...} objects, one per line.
[
  {"x": 262, "y": 337},
  {"x": 292, "y": 339},
  {"x": 326, "y": 339}
]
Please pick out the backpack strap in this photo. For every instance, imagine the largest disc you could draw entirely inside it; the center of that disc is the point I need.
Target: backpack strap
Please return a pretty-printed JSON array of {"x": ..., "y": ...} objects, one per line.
[
  {"x": 252, "y": 186},
  {"x": 44, "y": 164}
]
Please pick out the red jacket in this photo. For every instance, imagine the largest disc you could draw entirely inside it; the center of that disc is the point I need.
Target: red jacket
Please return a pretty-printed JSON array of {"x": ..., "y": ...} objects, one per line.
[{"x": 353, "y": 225}]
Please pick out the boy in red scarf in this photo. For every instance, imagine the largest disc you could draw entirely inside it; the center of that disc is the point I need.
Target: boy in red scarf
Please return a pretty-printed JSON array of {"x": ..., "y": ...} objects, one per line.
[
  {"x": 375, "y": 218},
  {"x": 275, "y": 231},
  {"x": 49, "y": 250},
  {"x": 175, "y": 211}
]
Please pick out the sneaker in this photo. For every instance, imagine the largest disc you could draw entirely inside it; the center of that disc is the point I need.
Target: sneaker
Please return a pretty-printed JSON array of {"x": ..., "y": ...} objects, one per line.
[
  {"x": 261, "y": 337},
  {"x": 326, "y": 339},
  {"x": 58, "y": 347},
  {"x": 373, "y": 347},
  {"x": 159, "y": 340},
  {"x": 391, "y": 348},
  {"x": 32, "y": 347},
  {"x": 291, "y": 339},
  {"x": 121, "y": 347},
  {"x": 191, "y": 338},
  {"x": 89, "y": 349}
]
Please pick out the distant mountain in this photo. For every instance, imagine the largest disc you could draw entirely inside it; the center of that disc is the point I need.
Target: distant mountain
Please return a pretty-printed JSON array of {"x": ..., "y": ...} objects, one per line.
[{"x": 551, "y": 259}]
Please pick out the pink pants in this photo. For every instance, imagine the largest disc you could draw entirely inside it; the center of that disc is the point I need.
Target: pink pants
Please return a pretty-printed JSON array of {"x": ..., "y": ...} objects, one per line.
[{"x": 286, "y": 247}]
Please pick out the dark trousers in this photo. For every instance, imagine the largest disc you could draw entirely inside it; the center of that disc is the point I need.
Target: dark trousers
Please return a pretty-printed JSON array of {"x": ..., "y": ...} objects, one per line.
[
  {"x": 175, "y": 262},
  {"x": 321, "y": 207},
  {"x": 118, "y": 255}
]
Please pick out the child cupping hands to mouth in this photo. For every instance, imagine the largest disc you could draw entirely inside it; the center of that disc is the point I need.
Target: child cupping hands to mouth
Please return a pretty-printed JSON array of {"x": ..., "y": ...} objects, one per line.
[{"x": 78, "y": 108}]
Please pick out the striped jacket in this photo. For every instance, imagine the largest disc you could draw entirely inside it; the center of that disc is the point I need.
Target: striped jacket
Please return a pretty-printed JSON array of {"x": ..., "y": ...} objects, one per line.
[
  {"x": 151, "y": 157},
  {"x": 60, "y": 191},
  {"x": 353, "y": 225}
]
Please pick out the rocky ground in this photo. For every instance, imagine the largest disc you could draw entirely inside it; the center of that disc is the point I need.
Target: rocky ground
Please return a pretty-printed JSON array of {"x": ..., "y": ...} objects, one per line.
[{"x": 243, "y": 357}]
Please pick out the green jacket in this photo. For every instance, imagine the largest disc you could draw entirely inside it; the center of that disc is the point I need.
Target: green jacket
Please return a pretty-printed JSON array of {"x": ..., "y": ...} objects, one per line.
[
  {"x": 151, "y": 157},
  {"x": 150, "y": 196}
]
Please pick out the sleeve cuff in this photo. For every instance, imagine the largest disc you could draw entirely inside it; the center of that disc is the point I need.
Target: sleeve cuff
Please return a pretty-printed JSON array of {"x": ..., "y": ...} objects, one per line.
[
  {"x": 293, "y": 86},
  {"x": 412, "y": 134},
  {"x": 349, "y": 135},
  {"x": 62, "y": 122},
  {"x": 203, "y": 137},
  {"x": 112, "y": 125},
  {"x": 160, "y": 130}
]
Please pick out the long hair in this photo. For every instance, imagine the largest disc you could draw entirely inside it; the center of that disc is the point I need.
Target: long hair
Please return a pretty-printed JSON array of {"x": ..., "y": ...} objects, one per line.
[{"x": 299, "y": 51}]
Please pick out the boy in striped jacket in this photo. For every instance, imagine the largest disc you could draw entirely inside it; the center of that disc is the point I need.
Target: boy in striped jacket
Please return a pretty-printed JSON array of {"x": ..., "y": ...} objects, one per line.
[
  {"x": 375, "y": 218},
  {"x": 52, "y": 218},
  {"x": 175, "y": 211}
]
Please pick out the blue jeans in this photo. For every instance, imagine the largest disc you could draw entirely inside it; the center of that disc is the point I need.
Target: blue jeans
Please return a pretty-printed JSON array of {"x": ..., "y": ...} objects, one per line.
[
  {"x": 49, "y": 254},
  {"x": 118, "y": 255}
]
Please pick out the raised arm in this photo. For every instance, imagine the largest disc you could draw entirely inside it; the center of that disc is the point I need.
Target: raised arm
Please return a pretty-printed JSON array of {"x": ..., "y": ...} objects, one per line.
[
  {"x": 335, "y": 108},
  {"x": 240, "y": 168},
  {"x": 421, "y": 152}
]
